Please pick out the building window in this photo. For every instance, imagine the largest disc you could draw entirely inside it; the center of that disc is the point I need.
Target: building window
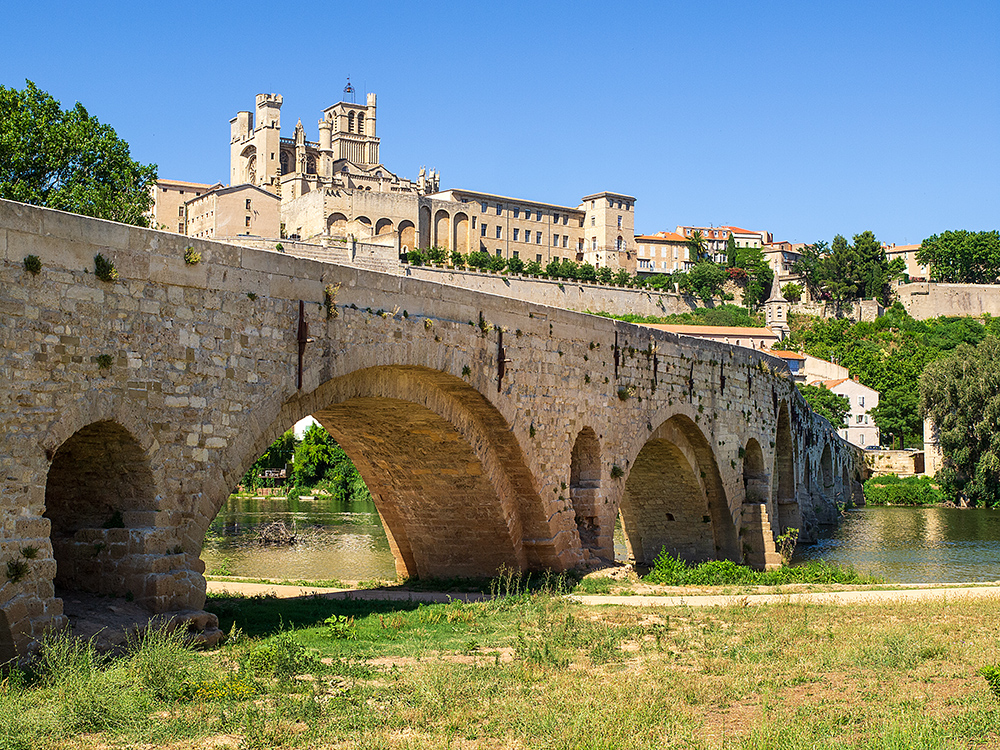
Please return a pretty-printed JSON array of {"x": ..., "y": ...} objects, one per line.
[
  {"x": 180, "y": 210},
  {"x": 538, "y": 258},
  {"x": 861, "y": 400},
  {"x": 538, "y": 238},
  {"x": 499, "y": 230},
  {"x": 180, "y": 229},
  {"x": 499, "y": 208},
  {"x": 473, "y": 222},
  {"x": 516, "y": 232},
  {"x": 565, "y": 240},
  {"x": 539, "y": 215},
  {"x": 593, "y": 221},
  {"x": 619, "y": 222},
  {"x": 248, "y": 221},
  {"x": 484, "y": 206},
  {"x": 515, "y": 253},
  {"x": 861, "y": 419},
  {"x": 620, "y": 244},
  {"x": 555, "y": 240},
  {"x": 565, "y": 220},
  {"x": 499, "y": 252},
  {"x": 482, "y": 228},
  {"x": 555, "y": 218},
  {"x": 248, "y": 204},
  {"x": 517, "y": 212},
  {"x": 593, "y": 244}
]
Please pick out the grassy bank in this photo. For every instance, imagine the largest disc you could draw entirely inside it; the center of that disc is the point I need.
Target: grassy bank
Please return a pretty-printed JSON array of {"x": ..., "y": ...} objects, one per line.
[{"x": 529, "y": 671}]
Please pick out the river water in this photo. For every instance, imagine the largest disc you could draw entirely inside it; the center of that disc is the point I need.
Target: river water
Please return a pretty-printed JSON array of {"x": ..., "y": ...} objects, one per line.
[{"x": 346, "y": 541}]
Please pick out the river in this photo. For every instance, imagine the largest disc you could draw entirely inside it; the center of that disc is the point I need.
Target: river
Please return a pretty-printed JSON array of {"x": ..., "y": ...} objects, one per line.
[{"x": 346, "y": 541}]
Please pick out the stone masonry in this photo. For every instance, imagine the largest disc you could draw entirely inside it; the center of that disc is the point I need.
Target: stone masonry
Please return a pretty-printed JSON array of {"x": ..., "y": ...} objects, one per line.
[{"x": 490, "y": 431}]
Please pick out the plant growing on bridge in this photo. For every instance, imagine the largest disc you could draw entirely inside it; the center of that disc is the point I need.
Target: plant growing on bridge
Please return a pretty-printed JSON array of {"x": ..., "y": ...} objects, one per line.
[
  {"x": 330, "y": 300},
  {"x": 785, "y": 544},
  {"x": 617, "y": 472},
  {"x": 17, "y": 569},
  {"x": 32, "y": 264},
  {"x": 104, "y": 269},
  {"x": 191, "y": 257},
  {"x": 104, "y": 361}
]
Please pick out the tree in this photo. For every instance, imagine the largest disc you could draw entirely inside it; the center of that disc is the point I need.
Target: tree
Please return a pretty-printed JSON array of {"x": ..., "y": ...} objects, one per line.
[
  {"x": 809, "y": 266},
  {"x": 698, "y": 245},
  {"x": 759, "y": 275},
  {"x": 897, "y": 415},
  {"x": 827, "y": 404},
  {"x": 705, "y": 280},
  {"x": 792, "y": 292},
  {"x": 962, "y": 257},
  {"x": 278, "y": 455},
  {"x": 731, "y": 251},
  {"x": 320, "y": 461},
  {"x": 961, "y": 394},
  {"x": 68, "y": 160},
  {"x": 515, "y": 265}
]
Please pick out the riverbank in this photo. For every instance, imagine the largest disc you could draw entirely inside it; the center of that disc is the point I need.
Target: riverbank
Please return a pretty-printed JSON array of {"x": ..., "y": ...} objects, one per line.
[{"x": 533, "y": 671}]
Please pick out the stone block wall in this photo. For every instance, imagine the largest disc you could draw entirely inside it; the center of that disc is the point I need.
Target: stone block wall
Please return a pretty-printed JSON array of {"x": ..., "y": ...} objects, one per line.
[{"x": 460, "y": 408}]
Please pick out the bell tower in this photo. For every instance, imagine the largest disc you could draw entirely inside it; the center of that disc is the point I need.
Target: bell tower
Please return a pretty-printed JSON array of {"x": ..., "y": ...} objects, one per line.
[{"x": 776, "y": 311}]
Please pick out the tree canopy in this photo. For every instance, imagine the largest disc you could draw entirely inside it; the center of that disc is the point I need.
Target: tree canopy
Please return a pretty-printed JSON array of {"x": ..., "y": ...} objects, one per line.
[
  {"x": 888, "y": 354},
  {"x": 68, "y": 160},
  {"x": 962, "y": 257},
  {"x": 844, "y": 271},
  {"x": 827, "y": 404},
  {"x": 961, "y": 393}
]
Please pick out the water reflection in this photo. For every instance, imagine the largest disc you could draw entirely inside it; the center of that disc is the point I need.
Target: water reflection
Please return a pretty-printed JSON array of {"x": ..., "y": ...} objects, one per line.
[
  {"x": 914, "y": 545},
  {"x": 346, "y": 541},
  {"x": 335, "y": 539}
]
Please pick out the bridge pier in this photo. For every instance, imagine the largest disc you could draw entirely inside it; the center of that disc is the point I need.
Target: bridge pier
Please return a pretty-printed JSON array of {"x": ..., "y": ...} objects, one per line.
[{"x": 132, "y": 408}]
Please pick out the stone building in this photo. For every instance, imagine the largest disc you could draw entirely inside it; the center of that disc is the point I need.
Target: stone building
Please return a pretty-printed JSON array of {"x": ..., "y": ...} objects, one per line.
[
  {"x": 227, "y": 212},
  {"x": 169, "y": 203},
  {"x": 662, "y": 253},
  {"x": 338, "y": 188}
]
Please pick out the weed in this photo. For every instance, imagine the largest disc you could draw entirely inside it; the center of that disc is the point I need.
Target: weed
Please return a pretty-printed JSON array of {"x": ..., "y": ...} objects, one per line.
[
  {"x": 281, "y": 656},
  {"x": 104, "y": 361},
  {"x": 104, "y": 269},
  {"x": 279, "y": 247},
  {"x": 115, "y": 521},
  {"x": 992, "y": 676},
  {"x": 17, "y": 570},
  {"x": 340, "y": 627},
  {"x": 531, "y": 430},
  {"x": 29, "y": 553},
  {"x": 466, "y": 371},
  {"x": 330, "y": 300},
  {"x": 428, "y": 323},
  {"x": 251, "y": 296},
  {"x": 191, "y": 257},
  {"x": 32, "y": 264}
]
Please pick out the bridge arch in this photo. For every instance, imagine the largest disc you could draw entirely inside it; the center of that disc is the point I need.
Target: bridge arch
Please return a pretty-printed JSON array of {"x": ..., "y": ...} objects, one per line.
[
  {"x": 447, "y": 474},
  {"x": 674, "y": 499},
  {"x": 100, "y": 494},
  {"x": 785, "y": 504},
  {"x": 585, "y": 487},
  {"x": 826, "y": 473}
]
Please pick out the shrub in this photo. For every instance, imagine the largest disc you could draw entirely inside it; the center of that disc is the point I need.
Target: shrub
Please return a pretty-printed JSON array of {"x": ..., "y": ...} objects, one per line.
[
  {"x": 533, "y": 268},
  {"x": 104, "y": 269},
  {"x": 792, "y": 291},
  {"x": 191, "y": 257},
  {"x": 992, "y": 676},
  {"x": 281, "y": 656},
  {"x": 478, "y": 259},
  {"x": 672, "y": 571},
  {"x": 893, "y": 490},
  {"x": 32, "y": 264},
  {"x": 515, "y": 265},
  {"x": 415, "y": 258},
  {"x": 457, "y": 259},
  {"x": 436, "y": 254}
]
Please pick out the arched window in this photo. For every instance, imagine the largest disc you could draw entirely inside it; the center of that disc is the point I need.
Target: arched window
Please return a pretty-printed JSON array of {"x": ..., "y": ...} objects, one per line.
[
  {"x": 621, "y": 244},
  {"x": 350, "y": 122},
  {"x": 285, "y": 162},
  {"x": 311, "y": 164},
  {"x": 361, "y": 122}
]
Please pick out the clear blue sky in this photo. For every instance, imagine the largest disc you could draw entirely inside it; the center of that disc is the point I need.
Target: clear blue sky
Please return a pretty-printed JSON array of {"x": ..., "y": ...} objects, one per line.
[{"x": 804, "y": 118}]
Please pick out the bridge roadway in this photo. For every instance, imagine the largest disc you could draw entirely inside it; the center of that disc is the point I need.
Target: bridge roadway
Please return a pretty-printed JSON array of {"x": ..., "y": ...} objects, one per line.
[{"x": 491, "y": 432}]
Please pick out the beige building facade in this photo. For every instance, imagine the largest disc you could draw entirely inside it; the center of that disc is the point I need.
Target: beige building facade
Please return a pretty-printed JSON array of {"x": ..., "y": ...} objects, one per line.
[
  {"x": 169, "y": 203},
  {"x": 662, "y": 253},
  {"x": 228, "y": 212}
]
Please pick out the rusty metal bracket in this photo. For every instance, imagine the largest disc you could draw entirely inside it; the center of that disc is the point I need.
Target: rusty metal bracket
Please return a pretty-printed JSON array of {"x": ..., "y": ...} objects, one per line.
[
  {"x": 303, "y": 339},
  {"x": 501, "y": 359}
]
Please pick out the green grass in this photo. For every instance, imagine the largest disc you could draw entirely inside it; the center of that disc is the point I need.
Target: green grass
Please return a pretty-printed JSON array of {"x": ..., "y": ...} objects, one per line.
[
  {"x": 528, "y": 670},
  {"x": 671, "y": 571}
]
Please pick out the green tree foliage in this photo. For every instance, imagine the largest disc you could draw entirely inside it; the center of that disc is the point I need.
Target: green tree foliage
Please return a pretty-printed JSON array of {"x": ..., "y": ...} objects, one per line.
[
  {"x": 319, "y": 461},
  {"x": 698, "y": 245},
  {"x": 962, "y": 257},
  {"x": 792, "y": 291},
  {"x": 68, "y": 160},
  {"x": 961, "y": 393},
  {"x": 892, "y": 490},
  {"x": 846, "y": 272},
  {"x": 827, "y": 404},
  {"x": 277, "y": 456},
  {"x": 534, "y": 268},
  {"x": 888, "y": 354},
  {"x": 723, "y": 315},
  {"x": 478, "y": 259},
  {"x": 515, "y": 265},
  {"x": 759, "y": 275},
  {"x": 705, "y": 280}
]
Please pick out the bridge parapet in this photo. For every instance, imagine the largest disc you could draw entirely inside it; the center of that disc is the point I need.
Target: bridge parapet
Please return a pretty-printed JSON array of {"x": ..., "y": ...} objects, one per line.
[{"x": 490, "y": 431}]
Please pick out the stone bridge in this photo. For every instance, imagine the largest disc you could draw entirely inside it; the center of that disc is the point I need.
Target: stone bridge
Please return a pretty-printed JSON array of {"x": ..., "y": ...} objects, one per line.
[{"x": 490, "y": 431}]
